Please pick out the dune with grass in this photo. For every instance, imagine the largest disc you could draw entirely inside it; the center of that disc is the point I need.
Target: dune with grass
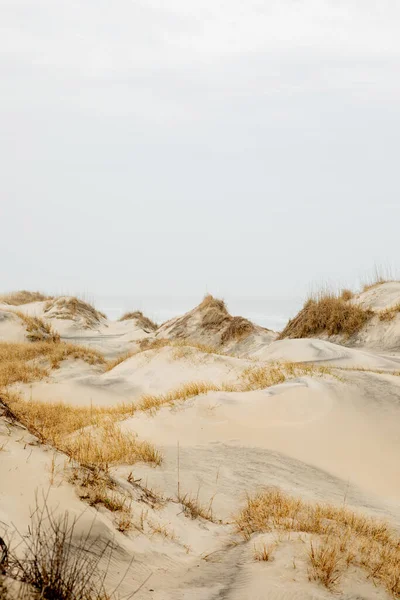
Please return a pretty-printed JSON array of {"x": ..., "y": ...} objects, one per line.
[
  {"x": 203, "y": 458},
  {"x": 370, "y": 318}
]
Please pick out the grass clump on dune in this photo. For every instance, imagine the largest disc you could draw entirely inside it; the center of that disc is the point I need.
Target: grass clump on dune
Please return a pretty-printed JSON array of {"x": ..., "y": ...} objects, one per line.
[
  {"x": 327, "y": 314},
  {"x": 143, "y": 321},
  {"x": 216, "y": 317},
  {"x": 26, "y": 362},
  {"x": 88, "y": 435},
  {"x": 37, "y": 329},
  {"x": 23, "y": 297},
  {"x": 344, "y": 537},
  {"x": 71, "y": 308},
  {"x": 389, "y": 313}
]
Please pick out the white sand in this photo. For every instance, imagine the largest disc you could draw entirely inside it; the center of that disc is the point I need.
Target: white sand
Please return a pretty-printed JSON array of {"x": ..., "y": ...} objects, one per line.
[{"x": 331, "y": 438}]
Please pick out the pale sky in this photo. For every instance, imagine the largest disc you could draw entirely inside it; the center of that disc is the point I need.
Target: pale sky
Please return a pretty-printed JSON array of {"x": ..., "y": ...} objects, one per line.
[{"x": 172, "y": 148}]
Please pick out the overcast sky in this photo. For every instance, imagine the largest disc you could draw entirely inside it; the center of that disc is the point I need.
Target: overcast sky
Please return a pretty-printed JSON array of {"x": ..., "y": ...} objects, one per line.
[{"x": 240, "y": 147}]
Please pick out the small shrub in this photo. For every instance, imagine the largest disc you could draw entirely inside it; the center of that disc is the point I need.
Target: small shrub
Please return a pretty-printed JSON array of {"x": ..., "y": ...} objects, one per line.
[{"x": 57, "y": 563}]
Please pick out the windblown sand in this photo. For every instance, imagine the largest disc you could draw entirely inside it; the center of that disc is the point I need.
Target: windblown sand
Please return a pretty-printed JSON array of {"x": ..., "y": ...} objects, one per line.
[{"x": 326, "y": 436}]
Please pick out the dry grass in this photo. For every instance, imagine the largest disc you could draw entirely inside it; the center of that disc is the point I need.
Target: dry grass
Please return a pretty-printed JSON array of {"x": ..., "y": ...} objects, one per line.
[
  {"x": 166, "y": 532},
  {"x": 346, "y": 294},
  {"x": 263, "y": 553},
  {"x": 194, "y": 509},
  {"x": 259, "y": 378},
  {"x": 379, "y": 275},
  {"x": 54, "y": 562},
  {"x": 389, "y": 313},
  {"x": 144, "y": 322},
  {"x": 252, "y": 378},
  {"x": 111, "y": 364},
  {"x": 237, "y": 329},
  {"x": 327, "y": 562},
  {"x": 23, "y": 297},
  {"x": 87, "y": 435},
  {"x": 37, "y": 329},
  {"x": 159, "y": 343},
  {"x": 345, "y": 537},
  {"x": 71, "y": 308},
  {"x": 210, "y": 302},
  {"x": 184, "y": 392},
  {"x": 108, "y": 445},
  {"x": 327, "y": 314},
  {"x": 26, "y": 362},
  {"x": 215, "y": 317}
]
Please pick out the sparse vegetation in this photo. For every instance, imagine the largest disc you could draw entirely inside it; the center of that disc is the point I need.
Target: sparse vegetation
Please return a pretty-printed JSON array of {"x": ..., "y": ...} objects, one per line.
[
  {"x": 189, "y": 390},
  {"x": 144, "y": 322},
  {"x": 111, "y": 364},
  {"x": 379, "y": 275},
  {"x": 344, "y": 537},
  {"x": 263, "y": 553},
  {"x": 57, "y": 563},
  {"x": 159, "y": 343},
  {"x": 71, "y": 308},
  {"x": 194, "y": 508},
  {"x": 37, "y": 329},
  {"x": 23, "y": 297},
  {"x": 327, "y": 314}
]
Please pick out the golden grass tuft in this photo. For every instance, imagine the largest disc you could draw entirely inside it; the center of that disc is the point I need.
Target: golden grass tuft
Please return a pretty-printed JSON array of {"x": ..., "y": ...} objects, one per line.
[
  {"x": 327, "y": 562},
  {"x": 151, "y": 403},
  {"x": 143, "y": 321},
  {"x": 327, "y": 314},
  {"x": 345, "y": 536},
  {"x": 37, "y": 329},
  {"x": 346, "y": 294},
  {"x": 111, "y": 364},
  {"x": 209, "y": 302},
  {"x": 194, "y": 509},
  {"x": 71, "y": 308},
  {"x": 389, "y": 313},
  {"x": 108, "y": 445},
  {"x": 23, "y": 297},
  {"x": 263, "y": 553}
]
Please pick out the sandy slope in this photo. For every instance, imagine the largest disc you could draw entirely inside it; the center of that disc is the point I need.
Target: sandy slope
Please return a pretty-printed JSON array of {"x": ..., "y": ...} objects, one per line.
[{"x": 326, "y": 438}]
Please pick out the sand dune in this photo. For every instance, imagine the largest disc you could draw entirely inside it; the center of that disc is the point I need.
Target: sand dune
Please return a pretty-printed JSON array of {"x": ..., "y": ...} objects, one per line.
[{"x": 326, "y": 432}]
